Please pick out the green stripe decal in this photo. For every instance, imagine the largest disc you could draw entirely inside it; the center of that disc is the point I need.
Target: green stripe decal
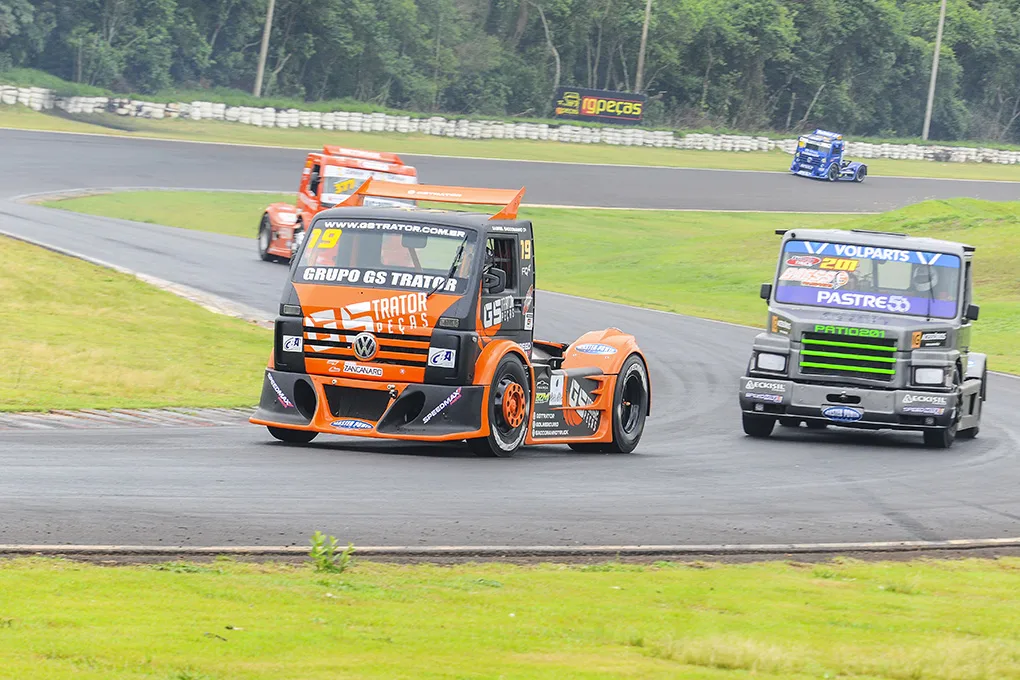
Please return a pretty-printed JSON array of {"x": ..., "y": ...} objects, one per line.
[
  {"x": 835, "y": 343},
  {"x": 852, "y": 369},
  {"x": 855, "y": 357}
]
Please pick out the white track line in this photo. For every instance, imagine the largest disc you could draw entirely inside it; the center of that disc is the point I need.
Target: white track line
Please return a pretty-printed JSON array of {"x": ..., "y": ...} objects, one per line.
[
  {"x": 537, "y": 550},
  {"x": 483, "y": 158}
]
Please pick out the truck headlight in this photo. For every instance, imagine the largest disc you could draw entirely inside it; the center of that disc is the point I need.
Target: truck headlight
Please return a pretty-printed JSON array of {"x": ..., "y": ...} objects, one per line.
[
  {"x": 928, "y": 376},
  {"x": 771, "y": 362}
]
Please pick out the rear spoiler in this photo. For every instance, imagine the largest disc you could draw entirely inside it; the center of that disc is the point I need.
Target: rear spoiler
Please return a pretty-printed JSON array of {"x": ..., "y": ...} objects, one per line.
[
  {"x": 383, "y": 156},
  {"x": 508, "y": 198}
]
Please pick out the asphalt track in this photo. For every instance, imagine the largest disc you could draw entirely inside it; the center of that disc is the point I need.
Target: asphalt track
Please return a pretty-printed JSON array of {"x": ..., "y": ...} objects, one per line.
[{"x": 694, "y": 479}]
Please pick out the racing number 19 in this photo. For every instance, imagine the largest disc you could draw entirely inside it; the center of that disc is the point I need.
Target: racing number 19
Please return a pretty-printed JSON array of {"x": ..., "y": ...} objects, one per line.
[
  {"x": 329, "y": 238},
  {"x": 526, "y": 249}
]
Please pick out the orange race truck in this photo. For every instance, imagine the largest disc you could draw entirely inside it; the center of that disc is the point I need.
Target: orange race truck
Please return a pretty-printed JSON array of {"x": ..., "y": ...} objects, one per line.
[
  {"x": 328, "y": 178},
  {"x": 415, "y": 324}
]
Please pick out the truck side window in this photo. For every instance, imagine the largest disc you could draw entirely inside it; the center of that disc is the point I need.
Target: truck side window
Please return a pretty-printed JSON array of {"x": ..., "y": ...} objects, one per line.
[
  {"x": 966, "y": 287},
  {"x": 504, "y": 252},
  {"x": 313, "y": 180}
]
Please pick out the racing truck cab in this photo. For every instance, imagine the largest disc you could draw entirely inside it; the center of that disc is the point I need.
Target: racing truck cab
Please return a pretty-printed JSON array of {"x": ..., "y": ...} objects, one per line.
[
  {"x": 328, "y": 178},
  {"x": 820, "y": 156},
  {"x": 867, "y": 330},
  {"x": 416, "y": 324}
]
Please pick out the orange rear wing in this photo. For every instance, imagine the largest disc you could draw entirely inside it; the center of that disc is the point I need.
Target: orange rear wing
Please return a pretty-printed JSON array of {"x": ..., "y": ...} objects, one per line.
[
  {"x": 510, "y": 199},
  {"x": 383, "y": 156}
]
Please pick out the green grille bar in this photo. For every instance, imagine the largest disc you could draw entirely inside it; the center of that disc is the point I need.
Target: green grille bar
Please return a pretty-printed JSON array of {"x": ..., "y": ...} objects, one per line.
[
  {"x": 856, "y": 357},
  {"x": 836, "y": 343},
  {"x": 852, "y": 369}
]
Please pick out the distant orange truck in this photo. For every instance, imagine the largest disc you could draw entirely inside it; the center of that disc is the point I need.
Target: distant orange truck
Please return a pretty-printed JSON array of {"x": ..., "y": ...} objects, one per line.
[{"x": 329, "y": 177}]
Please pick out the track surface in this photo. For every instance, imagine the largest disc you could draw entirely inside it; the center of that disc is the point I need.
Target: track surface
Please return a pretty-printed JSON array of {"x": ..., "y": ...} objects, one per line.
[{"x": 694, "y": 479}]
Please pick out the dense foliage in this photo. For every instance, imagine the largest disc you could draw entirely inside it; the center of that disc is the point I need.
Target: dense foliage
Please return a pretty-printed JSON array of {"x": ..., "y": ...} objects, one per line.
[{"x": 861, "y": 66}]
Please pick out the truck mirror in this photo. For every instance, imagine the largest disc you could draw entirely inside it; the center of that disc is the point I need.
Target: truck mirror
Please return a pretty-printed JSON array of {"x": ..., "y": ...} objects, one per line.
[
  {"x": 494, "y": 281},
  {"x": 414, "y": 241},
  {"x": 972, "y": 312},
  {"x": 766, "y": 291}
]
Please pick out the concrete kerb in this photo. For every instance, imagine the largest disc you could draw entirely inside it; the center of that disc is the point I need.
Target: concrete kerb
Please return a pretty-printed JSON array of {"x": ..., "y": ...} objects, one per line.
[{"x": 536, "y": 551}]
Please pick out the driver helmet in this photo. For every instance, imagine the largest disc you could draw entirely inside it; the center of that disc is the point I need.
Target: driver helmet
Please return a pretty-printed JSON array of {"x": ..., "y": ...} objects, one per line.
[{"x": 924, "y": 278}]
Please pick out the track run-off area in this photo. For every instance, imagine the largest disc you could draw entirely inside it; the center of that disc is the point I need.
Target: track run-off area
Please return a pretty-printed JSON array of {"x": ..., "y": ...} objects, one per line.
[{"x": 694, "y": 479}]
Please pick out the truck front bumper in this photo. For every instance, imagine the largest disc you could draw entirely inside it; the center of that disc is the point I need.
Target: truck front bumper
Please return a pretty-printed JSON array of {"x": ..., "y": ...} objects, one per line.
[
  {"x": 370, "y": 408},
  {"x": 847, "y": 406}
]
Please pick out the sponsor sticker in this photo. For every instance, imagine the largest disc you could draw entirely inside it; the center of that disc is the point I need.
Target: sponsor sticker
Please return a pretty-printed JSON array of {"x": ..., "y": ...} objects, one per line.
[
  {"x": 428, "y": 230},
  {"x": 556, "y": 389},
  {"x": 293, "y": 343},
  {"x": 498, "y": 311},
  {"x": 442, "y": 358},
  {"x": 770, "y": 398},
  {"x": 804, "y": 261},
  {"x": 453, "y": 398},
  {"x": 928, "y": 339},
  {"x": 578, "y": 397},
  {"x": 924, "y": 410},
  {"x": 816, "y": 278},
  {"x": 280, "y": 396},
  {"x": 842, "y": 414},
  {"x": 351, "y": 424},
  {"x": 529, "y": 321},
  {"x": 375, "y": 277},
  {"x": 780, "y": 325},
  {"x": 765, "y": 385},
  {"x": 847, "y": 330},
  {"x": 595, "y": 348},
  {"x": 938, "y": 400},
  {"x": 361, "y": 369}
]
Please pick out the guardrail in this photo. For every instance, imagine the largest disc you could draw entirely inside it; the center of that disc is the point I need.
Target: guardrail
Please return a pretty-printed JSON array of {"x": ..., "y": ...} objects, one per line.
[{"x": 41, "y": 99}]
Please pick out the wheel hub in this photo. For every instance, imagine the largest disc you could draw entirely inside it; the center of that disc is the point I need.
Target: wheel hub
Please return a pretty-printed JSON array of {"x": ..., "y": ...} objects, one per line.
[{"x": 511, "y": 402}]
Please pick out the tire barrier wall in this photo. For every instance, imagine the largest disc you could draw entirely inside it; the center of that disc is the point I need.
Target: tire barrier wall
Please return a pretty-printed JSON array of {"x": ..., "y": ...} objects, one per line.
[{"x": 41, "y": 99}]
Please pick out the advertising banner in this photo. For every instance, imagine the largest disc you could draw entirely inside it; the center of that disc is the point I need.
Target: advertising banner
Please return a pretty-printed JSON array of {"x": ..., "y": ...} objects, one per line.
[{"x": 600, "y": 106}]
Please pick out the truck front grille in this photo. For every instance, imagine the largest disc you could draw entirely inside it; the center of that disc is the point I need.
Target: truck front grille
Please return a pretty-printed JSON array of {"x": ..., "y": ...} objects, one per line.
[{"x": 842, "y": 356}]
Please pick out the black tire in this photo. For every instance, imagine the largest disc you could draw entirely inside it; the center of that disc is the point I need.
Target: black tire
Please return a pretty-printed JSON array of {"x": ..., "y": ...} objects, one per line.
[
  {"x": 506, "y": 428},
  {"x": 832, "y": 174},
  {"x": 789, "y": 422},
  {"x": 630, "y": 405},
  {"x": 942, "y": 438},
  {"x": 861, "y": 173},
  {"x": 969, "y": 433},
  {"x": 816, "y": 425},
  {"x": 292, "y": 436},
  {"x": 264, "y": 238},
  {"x": 757, "y": 426}
]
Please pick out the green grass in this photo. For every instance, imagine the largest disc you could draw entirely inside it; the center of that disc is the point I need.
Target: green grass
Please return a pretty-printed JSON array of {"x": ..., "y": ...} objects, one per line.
[
  {"x": 941, "y": 620},
  {"x": 702, "y": 264},
  {"x": 80, "y": 336},
  {"x": 218, "y": 131}
]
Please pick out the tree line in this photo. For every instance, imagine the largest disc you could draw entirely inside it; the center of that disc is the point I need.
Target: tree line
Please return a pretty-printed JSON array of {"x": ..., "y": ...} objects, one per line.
[{"x": 858, "y": 66}]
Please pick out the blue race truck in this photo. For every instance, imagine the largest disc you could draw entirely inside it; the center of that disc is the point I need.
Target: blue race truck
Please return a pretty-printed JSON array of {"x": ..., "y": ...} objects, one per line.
[{"x": 820, "y": 156}]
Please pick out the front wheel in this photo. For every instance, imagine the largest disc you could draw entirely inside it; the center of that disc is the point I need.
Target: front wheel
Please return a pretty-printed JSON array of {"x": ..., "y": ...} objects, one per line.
[
  {"x": 509, "y": 410},
  {"x": 757, "y": 426},
  {"x": 292, "y": 436},
  {"x": 265, "y": 236},
  {"x": 941, "y": 438}
]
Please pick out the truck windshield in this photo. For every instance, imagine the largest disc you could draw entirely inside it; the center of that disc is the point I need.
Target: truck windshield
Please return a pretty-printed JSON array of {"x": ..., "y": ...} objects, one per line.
[
  {"x": 384, "y": 254},
  {"x": 339, "y": 183},
  {"x": 884, "y": 280},
  {"x": 816, "y": 146}
]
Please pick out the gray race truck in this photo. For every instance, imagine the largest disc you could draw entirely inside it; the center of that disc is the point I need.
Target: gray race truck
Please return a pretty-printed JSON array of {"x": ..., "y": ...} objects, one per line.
[{"x": 867, "y": 330}]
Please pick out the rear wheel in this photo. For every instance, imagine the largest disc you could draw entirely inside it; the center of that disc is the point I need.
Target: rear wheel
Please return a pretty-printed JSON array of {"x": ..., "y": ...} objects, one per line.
[
  {"x": 833, "y": 174},
  {"x": 509, "y": 410},
  {"x": 630, "y": 405},
  {"x": 861, "y": 173},
  {"x": 265, "y": 236},
  {"x": 757, "y": 426},
  {"x": 292, "y": 436}
]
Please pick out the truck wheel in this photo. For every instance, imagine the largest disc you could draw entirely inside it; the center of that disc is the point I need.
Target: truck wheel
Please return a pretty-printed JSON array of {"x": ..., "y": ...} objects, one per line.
[
  {"x": 292, "y": 436},
  {"x": 833, "y": 173},
  {"x": 789, "y": 422},
  {"x": 941, "y": 438},
  {"x": 861, "y": 173},
  {"x": 969, "y": 433},
  {"x": 509, "y": 410},
  {"x": 816, "y": 425},
  {"x": 265, "y": 236},
  {"x": 757, "y": 426},
  {"x": 630, "y": 406}
]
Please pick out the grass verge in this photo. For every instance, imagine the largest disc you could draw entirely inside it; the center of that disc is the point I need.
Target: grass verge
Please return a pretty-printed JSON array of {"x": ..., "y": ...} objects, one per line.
[
  {"x": 702, "y": 264},
  {"x": 927, "y": 619},
  {"x": 80, "y": 336},
  {"x": 218, "y": 131}
]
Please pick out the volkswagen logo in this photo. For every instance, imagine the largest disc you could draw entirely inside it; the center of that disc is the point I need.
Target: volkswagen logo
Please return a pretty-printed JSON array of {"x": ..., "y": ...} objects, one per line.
[{"x": 365, "y": 346}]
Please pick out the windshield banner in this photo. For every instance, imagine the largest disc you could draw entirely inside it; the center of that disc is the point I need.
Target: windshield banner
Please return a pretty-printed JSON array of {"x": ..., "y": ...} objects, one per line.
[
  {"x": 871, "y": 253},
  {"x": 895, "y": 304}
]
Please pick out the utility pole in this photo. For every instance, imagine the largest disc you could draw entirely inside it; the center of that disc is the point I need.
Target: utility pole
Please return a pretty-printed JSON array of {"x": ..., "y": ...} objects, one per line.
[
  {"x": 641, "y": 52},
  {"x": 257, "y": 91},
  {"x": 934, "y": 71}
]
